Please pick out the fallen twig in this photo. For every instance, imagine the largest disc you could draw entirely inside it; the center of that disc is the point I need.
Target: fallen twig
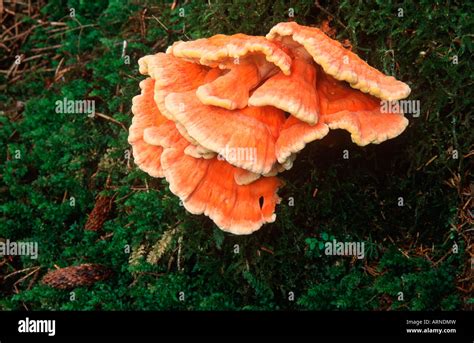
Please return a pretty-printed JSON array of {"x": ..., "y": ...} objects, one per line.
[{"x": 111, "y": 119}]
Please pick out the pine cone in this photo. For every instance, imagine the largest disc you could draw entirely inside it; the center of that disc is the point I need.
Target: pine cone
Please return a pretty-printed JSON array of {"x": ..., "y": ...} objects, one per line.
[
  {"x": 99, "y": 214},
  {"x": 76, "y": 276}
]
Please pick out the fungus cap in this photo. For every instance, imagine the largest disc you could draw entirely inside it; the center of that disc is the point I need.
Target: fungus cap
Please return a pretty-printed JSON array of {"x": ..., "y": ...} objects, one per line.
[
  {"x": 294, "y": 93},
  {"x": 146, "y": 114},
  {"x": 244, "y": 138},
  {"x": 341, "y": 107},
  {"x": 171, "y": 74},
  {"x": 221, "y": 49},
  {"x": 361, "y": 114},
  {"x": 207, "y": 186},
  {"x": 231, "y": 90},
  {"x": 339, "y": 62}
]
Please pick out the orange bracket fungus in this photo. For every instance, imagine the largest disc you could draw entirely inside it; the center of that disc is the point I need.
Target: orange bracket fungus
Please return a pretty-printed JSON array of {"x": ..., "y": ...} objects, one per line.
[{"x": 220, "y": 117}]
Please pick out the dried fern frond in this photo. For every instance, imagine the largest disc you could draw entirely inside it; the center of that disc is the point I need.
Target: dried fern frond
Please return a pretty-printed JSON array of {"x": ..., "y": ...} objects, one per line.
[
  {"x": 161, "y": 246},
  {"x": 136, "y": 254}
]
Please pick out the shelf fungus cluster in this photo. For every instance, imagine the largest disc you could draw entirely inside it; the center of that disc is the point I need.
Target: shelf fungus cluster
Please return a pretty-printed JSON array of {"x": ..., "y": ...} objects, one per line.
[{"x": 220, "y": 117}]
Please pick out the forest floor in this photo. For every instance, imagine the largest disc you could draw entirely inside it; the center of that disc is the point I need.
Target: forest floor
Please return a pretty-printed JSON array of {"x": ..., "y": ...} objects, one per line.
[{"x": 409, "y": 199}]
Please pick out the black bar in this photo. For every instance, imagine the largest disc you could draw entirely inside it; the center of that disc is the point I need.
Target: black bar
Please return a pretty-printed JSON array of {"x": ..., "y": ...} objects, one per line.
[{"x": 368, "y": 324}]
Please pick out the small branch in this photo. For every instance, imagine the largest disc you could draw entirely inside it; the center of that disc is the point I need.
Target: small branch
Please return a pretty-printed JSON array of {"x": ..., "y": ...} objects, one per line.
[
  {"x": 162, "y": 25},
  {"x": 111, "y": 119},
  {"x": 28, "y": 275},
  {"x": 329, "y": 14},
  {"x": 64, "y": 29},
  {"x": 266, "y": 250},
  {"x": 19, "y": 271},
  {"x": 47, "y": 48}
]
